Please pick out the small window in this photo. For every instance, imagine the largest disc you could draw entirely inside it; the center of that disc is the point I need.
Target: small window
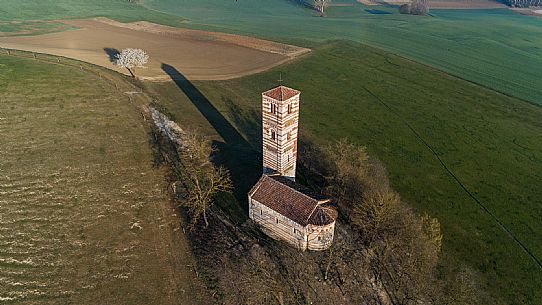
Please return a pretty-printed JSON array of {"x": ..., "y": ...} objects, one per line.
[
  {"x": 277, "y": 220},
  {"x": 273, "y": 135},
  {"x": 273, "y": 108},
  {"x": 289, "y": 135},
  {"x": 319, "y": 238},
  {"x": 261, "y": 212},
  {"x": 289, "y": 108}
]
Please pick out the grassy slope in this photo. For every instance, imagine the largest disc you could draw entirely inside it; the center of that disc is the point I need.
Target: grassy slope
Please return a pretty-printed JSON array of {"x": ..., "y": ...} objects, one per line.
[
  {"x": 487, "y": 140},
  {"x": 22, "y": 10},
  {"x": 75, "y": 174},
  {"x": 496, "y": 48}
]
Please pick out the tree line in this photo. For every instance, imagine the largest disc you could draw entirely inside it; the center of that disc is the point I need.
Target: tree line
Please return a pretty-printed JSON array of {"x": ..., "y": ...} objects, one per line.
[{"x": 393, "y": 249}]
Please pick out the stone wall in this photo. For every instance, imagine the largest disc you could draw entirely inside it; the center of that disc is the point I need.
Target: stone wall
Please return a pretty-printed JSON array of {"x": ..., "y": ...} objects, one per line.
[
  {"x": 277, "y": 226},
  {"x": 280, "y": 120},
  {"x": 320, "y": 237}
]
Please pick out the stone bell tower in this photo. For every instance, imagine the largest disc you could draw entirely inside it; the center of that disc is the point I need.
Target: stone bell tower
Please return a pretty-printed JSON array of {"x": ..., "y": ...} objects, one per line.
[{"x": 280, "y": 119}]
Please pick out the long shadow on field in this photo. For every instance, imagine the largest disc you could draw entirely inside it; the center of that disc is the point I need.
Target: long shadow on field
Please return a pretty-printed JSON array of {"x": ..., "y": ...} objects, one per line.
[
  {"x": 234, "y": 153},
  {"x": 112, "y": 54}
]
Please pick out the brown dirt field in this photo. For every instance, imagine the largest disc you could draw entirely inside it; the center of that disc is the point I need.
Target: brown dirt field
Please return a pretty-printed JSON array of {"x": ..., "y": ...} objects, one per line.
[
  {"x": 450, "y": 4},
  {"x": 199, "y": 55}
]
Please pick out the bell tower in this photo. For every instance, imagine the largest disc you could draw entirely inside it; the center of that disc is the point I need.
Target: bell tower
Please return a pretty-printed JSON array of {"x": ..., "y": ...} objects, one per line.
[{"x": 280, "y": 120}]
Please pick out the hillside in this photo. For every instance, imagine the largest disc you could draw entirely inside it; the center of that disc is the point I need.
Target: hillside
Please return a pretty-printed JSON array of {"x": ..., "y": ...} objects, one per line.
[
  {"x": 451, "y": 148},
  {"x": 83, "y": 215}
]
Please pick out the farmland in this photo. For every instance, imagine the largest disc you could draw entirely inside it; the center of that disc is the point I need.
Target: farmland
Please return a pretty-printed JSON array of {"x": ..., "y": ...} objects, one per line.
[
  {"x": 83, "y": 214},
  {"x": 462, "y": 152},
  {"x": 413, "y": 118},
  {"x": 204, "y": 53},
  {"x": 470, "y": 44}
]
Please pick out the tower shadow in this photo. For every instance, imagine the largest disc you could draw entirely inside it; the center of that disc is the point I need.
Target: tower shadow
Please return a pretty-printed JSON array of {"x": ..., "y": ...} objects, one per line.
[{"x": 235, "y": 153}]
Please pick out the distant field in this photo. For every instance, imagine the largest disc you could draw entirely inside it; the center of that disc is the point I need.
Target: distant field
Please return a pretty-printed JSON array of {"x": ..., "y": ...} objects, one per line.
[
  {"x": 497, "y": 48},
  {"x": 122, "y": 10},
  {"x": 203, "y": 55},
  {"x": 83, "y": 215},
  {"x": 410, "y": 116},
  {"x": 451, "y": 4}
]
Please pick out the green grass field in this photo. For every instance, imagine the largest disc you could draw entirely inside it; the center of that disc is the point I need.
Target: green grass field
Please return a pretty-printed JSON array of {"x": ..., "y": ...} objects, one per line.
[
  {"x": 410, "y": 116},
  {"x": 121, "y": 10},
  {"x": 496, "y": 48},
  {"x": 76, "y": 174}
]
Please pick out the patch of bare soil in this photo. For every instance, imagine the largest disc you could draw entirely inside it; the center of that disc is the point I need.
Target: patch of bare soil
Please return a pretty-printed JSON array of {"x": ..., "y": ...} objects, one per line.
[
  {"x": 537, "y": 11},
  {"x": 443, "y": 4},
  {"x": 198, "y": 55}
]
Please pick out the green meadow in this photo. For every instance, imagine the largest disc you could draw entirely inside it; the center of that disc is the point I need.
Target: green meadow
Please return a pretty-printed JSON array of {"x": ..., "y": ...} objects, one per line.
[
  {"x": 496, "y": 48},
  {"x": 12, "y": 12}
]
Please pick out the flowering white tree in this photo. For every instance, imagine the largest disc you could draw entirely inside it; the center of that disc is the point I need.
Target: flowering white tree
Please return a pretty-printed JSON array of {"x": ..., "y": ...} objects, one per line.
[{"x": 131, "y": 59}]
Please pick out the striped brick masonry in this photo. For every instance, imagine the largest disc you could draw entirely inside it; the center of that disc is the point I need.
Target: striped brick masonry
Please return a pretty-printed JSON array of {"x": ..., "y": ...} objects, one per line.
[
  {"x": 288, "y": 211},
  {"x": 282, "y": 208},
  {"x": 280, "y": 120}
]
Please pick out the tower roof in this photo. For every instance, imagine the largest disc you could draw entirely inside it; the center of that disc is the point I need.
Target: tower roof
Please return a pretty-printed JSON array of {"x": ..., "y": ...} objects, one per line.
[
  {"x": 281, "y": 93},
  {"x": 294, "y": 201}
]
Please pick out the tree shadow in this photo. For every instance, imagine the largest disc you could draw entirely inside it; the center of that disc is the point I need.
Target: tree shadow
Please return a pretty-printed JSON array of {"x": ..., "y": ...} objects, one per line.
[
  {"x": 112, "y": 54},
  {"x": 377, "y": 12},
  {"x": 235, "y": 153}
]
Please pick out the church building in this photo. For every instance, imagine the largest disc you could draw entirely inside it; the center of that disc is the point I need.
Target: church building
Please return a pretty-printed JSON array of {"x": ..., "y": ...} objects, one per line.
[{"x": 284, "y": 209}]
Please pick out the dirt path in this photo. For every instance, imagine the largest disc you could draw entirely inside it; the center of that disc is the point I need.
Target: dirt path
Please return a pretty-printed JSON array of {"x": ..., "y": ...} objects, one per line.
[{"x": 199, "y": 55}]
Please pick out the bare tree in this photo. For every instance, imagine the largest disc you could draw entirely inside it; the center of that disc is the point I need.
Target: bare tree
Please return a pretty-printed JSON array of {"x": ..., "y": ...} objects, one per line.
[
  {"x": 401, "y": 249},
  {"x": 321, "y": 5},
  {"x": 199, "y": 179},
  {"x": 131, "y": 59}
]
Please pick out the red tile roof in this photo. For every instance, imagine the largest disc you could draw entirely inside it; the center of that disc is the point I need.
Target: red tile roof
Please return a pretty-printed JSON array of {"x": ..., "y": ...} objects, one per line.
[
  {"x": 293, "y": 201},
  {"x": 281, "y": 93}
]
